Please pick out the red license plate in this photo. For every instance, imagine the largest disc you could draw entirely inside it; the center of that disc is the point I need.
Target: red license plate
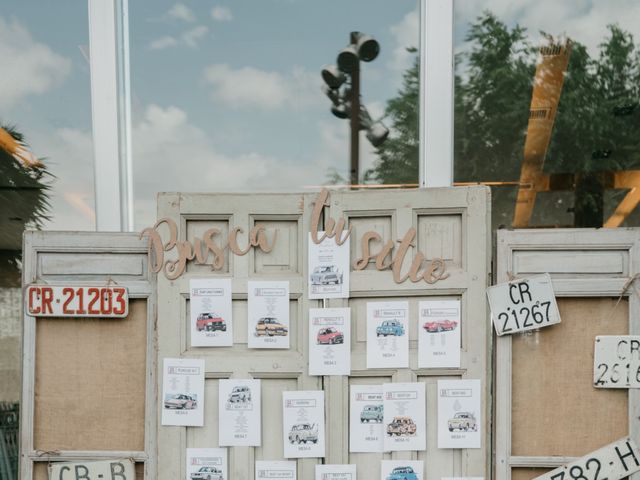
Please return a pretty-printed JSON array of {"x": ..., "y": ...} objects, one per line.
[{"x": 61, "y": 301}]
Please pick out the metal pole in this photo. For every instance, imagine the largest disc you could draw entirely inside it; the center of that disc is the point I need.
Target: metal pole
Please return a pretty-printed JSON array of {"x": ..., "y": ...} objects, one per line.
[{"x": 355, "y": 121}]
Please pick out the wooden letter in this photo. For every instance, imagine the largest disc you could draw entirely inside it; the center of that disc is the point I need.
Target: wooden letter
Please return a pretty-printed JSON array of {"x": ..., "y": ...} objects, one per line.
[
  {"x": 362, "y": 263},
  {"x": 233, "y": 242}
]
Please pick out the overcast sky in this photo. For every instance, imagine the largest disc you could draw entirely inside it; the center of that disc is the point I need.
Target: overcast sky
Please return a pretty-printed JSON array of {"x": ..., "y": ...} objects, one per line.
[{"x": 226, "y": 94}]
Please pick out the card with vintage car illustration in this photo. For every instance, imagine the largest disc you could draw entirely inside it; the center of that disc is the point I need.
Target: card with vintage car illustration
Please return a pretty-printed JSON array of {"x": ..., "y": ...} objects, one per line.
[
  {"x": 439, "y": 334},
  {"x": 303, "y": 423},
  {"x": 207, "y": 464},
  {"x": 404, "y": 420},
  {"x": 336, "y": 472},
  {"x": 268, "y": 314},
  {"x": 270, "y": 470},
  {"x": 328, "y": 268},
  {"x": 366, "y": 413},
  {"x": 239, "y": 413},
  {"x": 210, "y": 306},
  {"x": 329, "y": 341},
  {"x": 183, "y": 392},
  {"x": 387, "y": 334},
  {"x": 459, "y": 414},
  {"x": 402, "y": 470}
]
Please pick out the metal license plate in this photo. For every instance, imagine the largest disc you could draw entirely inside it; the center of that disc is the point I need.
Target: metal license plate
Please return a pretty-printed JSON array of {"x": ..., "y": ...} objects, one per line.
[
  {"x": 104, "y": 470},
  {"x": 613, "y": 462},
  {"x": 616, "y": 361},
  {"x": 76, "y": 301},
  {"x": 522, "y": 305}
]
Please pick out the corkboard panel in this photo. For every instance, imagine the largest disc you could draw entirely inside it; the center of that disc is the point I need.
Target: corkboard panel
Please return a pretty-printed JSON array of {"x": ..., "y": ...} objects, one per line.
[
  {"x": 90, "y": 382},
  {"x": 40, "y": 471},
  {"x": 555, "y": 408},
  {"x": 528, "y": 473}
]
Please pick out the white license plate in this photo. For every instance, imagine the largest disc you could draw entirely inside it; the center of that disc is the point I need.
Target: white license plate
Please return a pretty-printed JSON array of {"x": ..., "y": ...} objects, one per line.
[
  {"x": 76, "y": 301},
  {"x": 613, "y": 462},
  {"x": 523, "y": 305},
  {"x": 616, "y": 361},
  {"x": 104, "y": 470}
]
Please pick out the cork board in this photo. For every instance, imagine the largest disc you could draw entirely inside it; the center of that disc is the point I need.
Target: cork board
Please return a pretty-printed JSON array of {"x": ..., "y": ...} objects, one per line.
[
  {"x": 90, "y": 380},
  {"x": 528, "y": 473},
  {"x": 555, "y": 408}
]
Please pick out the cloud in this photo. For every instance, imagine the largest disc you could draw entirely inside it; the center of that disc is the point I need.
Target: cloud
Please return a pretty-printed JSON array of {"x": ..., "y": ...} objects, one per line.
[
  {"x": 252, "y": 87},
  {"x": 28, "y": 67},
  {"x": 406, "y": 34},
  {"x": 190, "y": 38},
  {"x": 181, "y": 12},
  {"x": 221, "y": 14}
]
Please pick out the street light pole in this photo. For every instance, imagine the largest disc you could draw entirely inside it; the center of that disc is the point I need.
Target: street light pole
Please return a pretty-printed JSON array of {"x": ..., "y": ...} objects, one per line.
[{"x": 355, "y": 120}]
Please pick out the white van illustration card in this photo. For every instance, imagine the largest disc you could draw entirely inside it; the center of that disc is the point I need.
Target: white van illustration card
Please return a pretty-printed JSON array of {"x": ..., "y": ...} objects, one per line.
[
  {"x": 328, "y": 268},
  {"x": 387, "y": 334},
  {"x": 203, "y": 463},
  {"x": 303, "y": 423},
  {"x": 401, "y": 469},
  {"x": 239, "y": 413},
  {"x": 210, "y": 305},
  {"x": 439, "y": 334},
  {"x": 280, "y": 470},
  {"x": 329, "y": 341},
  {"x": 336, "y": 472},
  {"x": 459, "y": 414},
  {"x": 183, "y": 392},
  {"x": 366, "y": 414},
  {"x": 405, "y": 423},
  {"x": 268, "y": 314}
]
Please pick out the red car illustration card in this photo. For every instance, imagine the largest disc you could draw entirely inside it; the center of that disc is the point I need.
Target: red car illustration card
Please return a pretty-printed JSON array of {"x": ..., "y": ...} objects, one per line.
[
  {"x": 303, "y": 423},
  {"x": 439, "y": 334},
  {"x": 366, "y": 414},
  {"x": 210, "y": 306},
  {"x": 285, "y": 470},
  {"x": 459, "y": 414},
  {"x": 207, "y": 464},
  {"x": 328, "y": 267},
  {"x": 239, "y": 413},
  {"x": 335, "y": 472},
  {"x": 405, "y": 422},
  {"x": 329, "y": 341},
  {"x": 388, "y": 334},
  {"x": 183, "y": 392},
  {"x": 268, "y": 314}
]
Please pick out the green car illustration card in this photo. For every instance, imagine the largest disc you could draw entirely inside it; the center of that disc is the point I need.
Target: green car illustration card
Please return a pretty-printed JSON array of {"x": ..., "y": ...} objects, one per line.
[{"x": 366, "y": 414}]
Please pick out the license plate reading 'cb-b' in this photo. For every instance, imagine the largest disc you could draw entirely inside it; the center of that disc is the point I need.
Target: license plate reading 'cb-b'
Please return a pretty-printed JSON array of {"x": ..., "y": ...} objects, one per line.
[{"x": 103, "y": 470}]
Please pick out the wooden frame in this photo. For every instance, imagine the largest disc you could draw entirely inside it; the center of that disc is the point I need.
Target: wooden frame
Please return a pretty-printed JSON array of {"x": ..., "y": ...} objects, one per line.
[
  {"x": 582, "y": 263},
  {"x": 141, "y": 285}
]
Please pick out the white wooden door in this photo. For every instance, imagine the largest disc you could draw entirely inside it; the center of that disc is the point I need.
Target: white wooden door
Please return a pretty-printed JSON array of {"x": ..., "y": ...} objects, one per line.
[
  {"x": 547, "y": 410},
  {"x": 450, "y": 223}
]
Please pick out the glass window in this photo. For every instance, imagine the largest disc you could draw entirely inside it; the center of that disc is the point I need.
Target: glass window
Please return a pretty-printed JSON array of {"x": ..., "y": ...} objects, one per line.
[
  {"x": 547, "y": 110},
  {"x": 227, "y": 96}
]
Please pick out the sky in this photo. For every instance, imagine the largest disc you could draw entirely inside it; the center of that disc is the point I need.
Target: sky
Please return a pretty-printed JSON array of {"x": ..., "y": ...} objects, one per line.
[{"x": 226, "y": 93}]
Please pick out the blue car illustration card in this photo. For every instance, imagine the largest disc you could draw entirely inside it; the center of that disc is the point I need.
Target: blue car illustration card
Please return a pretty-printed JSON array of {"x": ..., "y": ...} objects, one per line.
[
  {"x": 459, "y": 414},
  {"x": 303, "y": 423},
  {"x": 207, "y": 464},
  {"x": 329, "y": 341},
  {"x": 278, "y": 469},
  {"x": 183, "y": 392},
  {"x": 402, "y": 470},
  {"x": 268, "y": 314},
  {"x": 405, "y": 419},
  {"x": 210, "y": 312},
  {"x": 439, "y": 334},
  {"x": 329, "y": 267},
  {"x": 366, "y": 414},
  {"x": 388, "y": 334},
  {"x": 335, "y": 472},
  {"x": 239, "y": 410}
]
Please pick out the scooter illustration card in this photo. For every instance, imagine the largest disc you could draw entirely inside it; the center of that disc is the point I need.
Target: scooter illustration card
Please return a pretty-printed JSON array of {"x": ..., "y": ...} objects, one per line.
[
  {"x": 210, "y": 304},
  {"x": 280, "y": 470},
  {"x": 239, "y": 413},
  {"x": 402, "y": 470},
  {"x": 303, "y": 423},
  {"x": 439, "y": 334},
  {"x": 335, "y": 472},
  {"x": 329, "y": 341},
  {"x": 387, "y": 334},
  {"x": 459, "y": 414},
  {"x": 268, "y": 314},
  {"x": 366, "y": 414},
  {"x": 207, "y": 463},
  {"x": 328, "y": 268},
  {"x": 404, "y": 416},
  {"x": 183, "y": 392}
]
